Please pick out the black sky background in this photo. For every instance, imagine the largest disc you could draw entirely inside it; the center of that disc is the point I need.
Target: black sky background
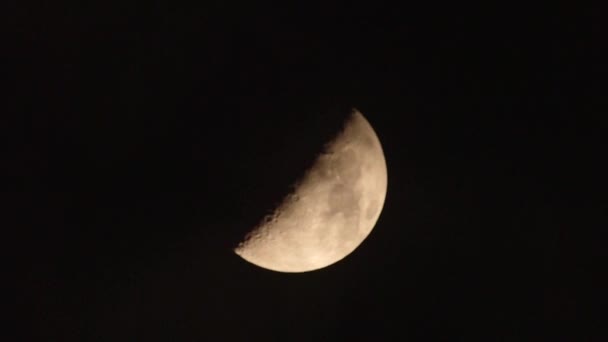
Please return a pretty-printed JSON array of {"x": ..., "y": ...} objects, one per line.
[{"x": 145, "y": 140}]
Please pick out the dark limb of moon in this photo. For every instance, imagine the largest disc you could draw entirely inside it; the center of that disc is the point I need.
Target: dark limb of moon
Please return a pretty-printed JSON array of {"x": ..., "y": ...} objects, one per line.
[{"x": 331, "y": 210}]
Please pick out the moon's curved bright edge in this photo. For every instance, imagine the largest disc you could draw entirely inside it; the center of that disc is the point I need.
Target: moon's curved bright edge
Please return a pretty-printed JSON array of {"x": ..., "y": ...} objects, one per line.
[{"x": 331, "y": 210}]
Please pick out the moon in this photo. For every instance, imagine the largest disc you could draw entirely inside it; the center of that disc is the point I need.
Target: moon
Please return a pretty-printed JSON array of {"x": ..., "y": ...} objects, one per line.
[{"x": 331, "y": 209}]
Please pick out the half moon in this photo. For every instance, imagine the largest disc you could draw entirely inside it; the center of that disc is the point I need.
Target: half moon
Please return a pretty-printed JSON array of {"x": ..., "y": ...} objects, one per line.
[{"x": 331, "y": 210}]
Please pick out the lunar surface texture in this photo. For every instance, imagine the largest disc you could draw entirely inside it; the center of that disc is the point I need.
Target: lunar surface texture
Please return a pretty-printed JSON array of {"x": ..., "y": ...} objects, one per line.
[{"x": 331, "y": 209}]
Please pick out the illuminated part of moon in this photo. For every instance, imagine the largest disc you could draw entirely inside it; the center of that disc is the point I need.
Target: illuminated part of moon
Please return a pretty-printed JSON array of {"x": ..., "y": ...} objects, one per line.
[{"x": 331, "y": 210}]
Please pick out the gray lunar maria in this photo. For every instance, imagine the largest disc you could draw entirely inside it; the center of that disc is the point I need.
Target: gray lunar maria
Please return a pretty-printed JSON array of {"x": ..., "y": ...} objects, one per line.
[{"x": 331, "y": 210}]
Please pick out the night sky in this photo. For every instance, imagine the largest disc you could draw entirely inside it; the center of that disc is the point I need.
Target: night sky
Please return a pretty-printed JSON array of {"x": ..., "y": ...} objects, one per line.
[{"x": 146, "y": 140}]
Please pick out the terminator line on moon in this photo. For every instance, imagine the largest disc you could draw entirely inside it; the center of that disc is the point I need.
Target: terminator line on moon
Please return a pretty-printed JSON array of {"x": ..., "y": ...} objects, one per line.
[{"x": 331, "y": 210}]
